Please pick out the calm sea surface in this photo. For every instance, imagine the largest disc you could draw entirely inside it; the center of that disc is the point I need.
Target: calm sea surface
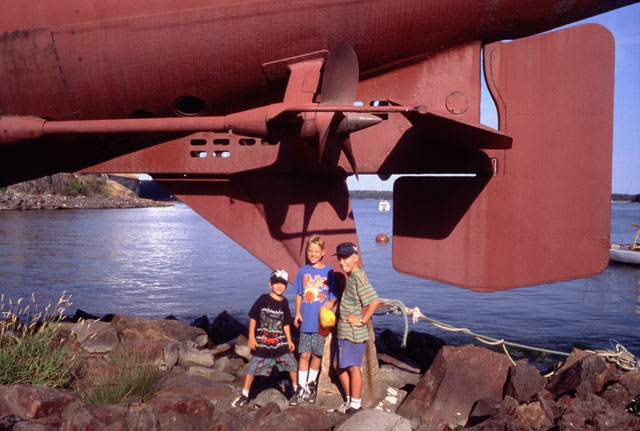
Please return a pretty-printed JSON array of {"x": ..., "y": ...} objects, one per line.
[{"x": 153, "y": 262}]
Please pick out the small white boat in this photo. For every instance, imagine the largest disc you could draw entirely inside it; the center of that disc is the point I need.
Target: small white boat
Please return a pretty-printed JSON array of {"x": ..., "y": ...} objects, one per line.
[
  {"x": 384, "y": 205},
  {"x": 626, "y": 253}
]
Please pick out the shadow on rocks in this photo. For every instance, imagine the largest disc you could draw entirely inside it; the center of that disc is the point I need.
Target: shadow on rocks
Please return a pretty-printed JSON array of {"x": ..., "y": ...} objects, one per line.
[{"x": 421, "y": 348}]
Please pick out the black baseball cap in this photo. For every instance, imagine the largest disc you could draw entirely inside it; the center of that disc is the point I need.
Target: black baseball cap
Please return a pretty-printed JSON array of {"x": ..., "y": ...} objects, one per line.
[
  {"x": 279, "y": 276},
  {"x": 346, "y": 249}
]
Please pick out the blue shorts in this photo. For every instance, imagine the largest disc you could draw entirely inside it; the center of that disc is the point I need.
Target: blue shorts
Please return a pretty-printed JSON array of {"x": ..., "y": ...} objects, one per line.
[
  {"x": 349, "y": 354},
  {"x": 263, "y": 366},
  {"x": 311, "y": 342}
]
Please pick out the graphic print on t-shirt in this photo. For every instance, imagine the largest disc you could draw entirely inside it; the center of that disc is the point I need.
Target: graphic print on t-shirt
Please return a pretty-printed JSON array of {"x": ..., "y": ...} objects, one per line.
[
  {"x": 270, "y": 333},
  {"x": 313, "y": 287}
]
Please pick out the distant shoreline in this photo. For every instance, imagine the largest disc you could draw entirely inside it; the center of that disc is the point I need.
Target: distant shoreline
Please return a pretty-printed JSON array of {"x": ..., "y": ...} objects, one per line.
[{"x": 27, "y": 201}]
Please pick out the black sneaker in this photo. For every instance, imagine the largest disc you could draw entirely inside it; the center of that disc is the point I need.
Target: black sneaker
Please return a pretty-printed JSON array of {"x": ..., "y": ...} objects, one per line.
[
  {"x": 299, "y": 396},
  {"x": 240, "y": 401},
  {"x": 313, "y": 392},
  {"x": 351, "y": 410}
]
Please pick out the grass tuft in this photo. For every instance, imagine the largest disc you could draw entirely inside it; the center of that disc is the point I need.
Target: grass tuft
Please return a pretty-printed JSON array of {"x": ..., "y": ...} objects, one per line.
[
  {"x": 28, "y": 353},
  {"x": 133, "y": 380}
]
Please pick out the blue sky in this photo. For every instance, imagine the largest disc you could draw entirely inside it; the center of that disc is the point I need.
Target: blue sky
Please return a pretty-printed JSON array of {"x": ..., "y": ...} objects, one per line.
[{"x": 624, "y": 23}]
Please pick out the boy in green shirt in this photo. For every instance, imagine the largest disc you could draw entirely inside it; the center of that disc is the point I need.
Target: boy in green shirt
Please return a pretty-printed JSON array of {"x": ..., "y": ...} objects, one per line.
[{"x": 359, "y": 301}]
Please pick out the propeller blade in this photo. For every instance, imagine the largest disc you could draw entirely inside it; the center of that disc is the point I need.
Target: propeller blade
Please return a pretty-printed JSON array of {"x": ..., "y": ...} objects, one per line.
[
  {"x": 348, "y": 151},
  {"x": 341, "y": 75},
  {"x": 323, "y": 122},
  {"x": 340, "y": 87}
]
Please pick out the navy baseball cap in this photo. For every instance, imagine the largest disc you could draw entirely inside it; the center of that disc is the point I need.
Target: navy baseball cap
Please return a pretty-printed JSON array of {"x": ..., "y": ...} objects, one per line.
[{"x": 346, "y": 249}]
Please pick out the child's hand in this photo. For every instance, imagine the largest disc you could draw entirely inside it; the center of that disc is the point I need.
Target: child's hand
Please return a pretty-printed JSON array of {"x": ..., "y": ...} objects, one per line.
[
  {"x": 354, "y": 320},
  {"x": 297, "y": 320},
  {"x": 292, "y": 346},
  {"x": 253, "y": 344}
]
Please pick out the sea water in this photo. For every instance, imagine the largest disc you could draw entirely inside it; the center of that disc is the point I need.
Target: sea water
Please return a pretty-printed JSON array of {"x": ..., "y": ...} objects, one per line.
[{"x": 155, "y": 262}]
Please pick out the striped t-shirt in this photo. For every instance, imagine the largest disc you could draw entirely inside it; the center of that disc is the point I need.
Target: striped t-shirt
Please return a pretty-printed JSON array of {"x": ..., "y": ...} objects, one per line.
[{"x": 357, "y": 293}]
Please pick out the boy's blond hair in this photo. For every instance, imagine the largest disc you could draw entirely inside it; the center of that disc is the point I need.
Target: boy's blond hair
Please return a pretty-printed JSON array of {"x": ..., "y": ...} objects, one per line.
[{"x": 317, "y": 240}]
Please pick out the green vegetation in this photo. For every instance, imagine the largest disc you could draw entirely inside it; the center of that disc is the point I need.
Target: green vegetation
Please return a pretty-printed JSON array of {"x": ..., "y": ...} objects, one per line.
[
  {"x": 87, "y": 185},
  {"x": 132, "y": 380},
  {"x": 34, "y": 354},
  {"x": 370, "y": 194},
  {"x": 620, "y": 197},
  {"x": 29, "y": 353},
  {"x": 388, "y": 194}
]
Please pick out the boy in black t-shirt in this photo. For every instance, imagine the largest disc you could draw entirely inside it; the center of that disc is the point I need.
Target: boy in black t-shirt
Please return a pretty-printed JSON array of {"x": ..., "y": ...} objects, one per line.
[{"x": 270, "y": 336}]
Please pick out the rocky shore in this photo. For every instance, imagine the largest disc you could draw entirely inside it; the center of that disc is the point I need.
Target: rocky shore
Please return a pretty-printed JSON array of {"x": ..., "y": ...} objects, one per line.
[
  {"x": 27, "y": 201},
  {"x": 73, "y": 191},
  {"x": 427, "y": 386}
]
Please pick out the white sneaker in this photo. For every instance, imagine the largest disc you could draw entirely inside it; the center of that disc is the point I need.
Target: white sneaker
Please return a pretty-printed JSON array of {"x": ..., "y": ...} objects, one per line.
[{"x": 343, "y": 408}]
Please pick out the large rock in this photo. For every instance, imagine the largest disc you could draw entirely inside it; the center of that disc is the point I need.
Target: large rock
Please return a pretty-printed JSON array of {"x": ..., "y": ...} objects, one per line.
[
  {"x": 222, "y": 364},
  {"x": 177, "y": 384},
  {"x": 83, "y": 315},
  {"x": 192, "y": 357},
  {"x": 186, "y": 412},
  {"x": 531, "y": 416},
  {"x": 397, "y": 378},
  {"x": 139, "y": 353},
  {"x": 548, "y": 405},
  {"x": 241, "y": 348},
  {"x": 224, "y": 348},
  {"x": 202, "y": 322},
  {"x": 631, "y": 381},
  {"x": 585, "y": 375},
  {"x": 617, "y": 395},
  {"x": 93, "y": 370},
  {"x": 32, "y": 402},
  {"x": 272, "y": 396},
  {"x": 139, "y": 328},
  {"x": 392, "y": 400},
  {"x": 299, "y": 419},
  {"x": 458, "y": 377},
  {"x": 211, "y": 374},
  {"x": 584, "y": 412},
  {"x": 225, "y": 327},
  {"x": 95, "y": 336},
  {"x": 171, "y": 352},
  {"x": 201, "y": 371},
  {"x": 508, "y": 415},
  {"x": 82, "y": 417},
  {"x": 524, "y": 381},
  {"x": 423, "y": 348},
  {"x": 401, "y": 363},
  {"x": 373, "y": 420},
  {"x": 388, "y": 342}
]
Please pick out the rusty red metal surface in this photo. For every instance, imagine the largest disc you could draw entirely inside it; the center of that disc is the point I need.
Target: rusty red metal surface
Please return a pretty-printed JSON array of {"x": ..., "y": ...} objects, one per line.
[
  {"x": 239, "y": 108},
  {"x": 272, "y": 216},
  {"x": 544, "y": 217}
]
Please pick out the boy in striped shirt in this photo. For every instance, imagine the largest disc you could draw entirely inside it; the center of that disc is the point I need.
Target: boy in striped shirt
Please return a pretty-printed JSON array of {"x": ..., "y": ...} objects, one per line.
[{"x": 359, "y": 301}]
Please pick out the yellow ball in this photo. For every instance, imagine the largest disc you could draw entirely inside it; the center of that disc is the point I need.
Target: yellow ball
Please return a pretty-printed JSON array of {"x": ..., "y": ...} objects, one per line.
[{"x": 327, "y": 318}]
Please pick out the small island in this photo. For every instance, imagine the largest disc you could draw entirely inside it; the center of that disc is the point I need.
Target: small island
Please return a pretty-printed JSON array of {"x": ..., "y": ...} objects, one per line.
[{"x": 77, "y": 191}]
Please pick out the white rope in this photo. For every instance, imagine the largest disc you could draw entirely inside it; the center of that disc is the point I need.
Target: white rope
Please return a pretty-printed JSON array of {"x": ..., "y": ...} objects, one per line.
[
  {"x": 624, "y": 359},
  {"x": 621, "y": 356}
]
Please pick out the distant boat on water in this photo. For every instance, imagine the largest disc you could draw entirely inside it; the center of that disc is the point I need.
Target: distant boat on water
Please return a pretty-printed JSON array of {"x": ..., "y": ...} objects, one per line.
[
  {"x": 626, "y": 253},
  {"x": 384, "y": 205}
]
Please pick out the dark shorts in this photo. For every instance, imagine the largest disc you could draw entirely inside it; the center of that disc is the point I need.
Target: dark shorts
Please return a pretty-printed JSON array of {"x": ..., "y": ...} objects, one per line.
[
  {"x": 349, "y": 354},
  {"x": 311, "y": 342},
  {"x": 263, "y": 366}
]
